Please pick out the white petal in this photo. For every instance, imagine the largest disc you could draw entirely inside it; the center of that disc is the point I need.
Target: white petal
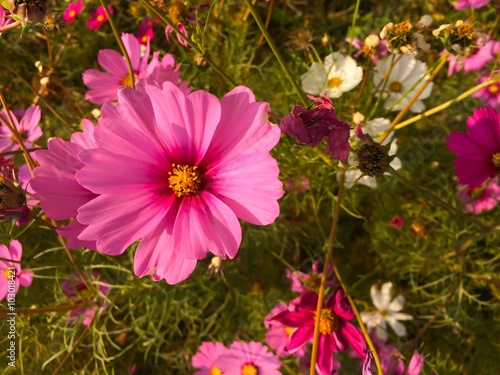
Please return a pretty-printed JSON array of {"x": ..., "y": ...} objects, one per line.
[
  {"x": 398, "y": 327},
  {"x": 397, "y": 304}
]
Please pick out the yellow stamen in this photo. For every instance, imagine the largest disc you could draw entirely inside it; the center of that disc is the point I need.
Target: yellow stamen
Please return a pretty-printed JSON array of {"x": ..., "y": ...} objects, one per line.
[
  {"x": 184, "y": 179},
  {"x": 327, "y": 322},
  {"x": 249, "y": 369},
  {"x": 127, "y": 80},
  {"x": 100, "y": 18},
  {"x": 288, "y": 330},
  {"x": 496, "y": 160},
  {"x": 395, "y": 86},
  {"x": 383, "y": 313},
  {"x": 215, "y": 371},
  {"x": 493, "y": 89},
  {"x": 8, "y": 275},
  {"x": 334, "y": 82},
  {"x": 72, "y": 14}
]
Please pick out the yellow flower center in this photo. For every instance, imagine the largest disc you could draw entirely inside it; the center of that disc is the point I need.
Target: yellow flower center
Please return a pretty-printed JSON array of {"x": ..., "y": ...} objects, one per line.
[
  {"x": 8, "y": 274},
  {"x": 215, "y": 371},
  {"x": 72, "y": 14},
  {"x": 327, "y": 322},
  {"x": 493, "y": 89},
  {"x": 100, "y": 18},
  {"x": 383, "y": 313},
  {"x": 127, "y": 80},
  {"x": 249, "y": 369},
  {"x": 144, "y": 39},
  {"x": 395, "y": 86},
  {"x": 496, "y": 160},
  {"x": 334, "y": 82},
  {"x": 288, "y": 330},
  {"x": 184, "y": 179}
]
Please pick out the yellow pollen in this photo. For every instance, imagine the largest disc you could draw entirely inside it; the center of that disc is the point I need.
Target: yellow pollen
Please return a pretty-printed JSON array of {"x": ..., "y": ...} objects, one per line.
[
  {"x": 288, "y": 330},
  {"x": 127, "y": 81},
  {"x": 327, "y": 322},
  {"x": 249, "y": 369},
  {"x": 493, "y": 89},
  {"x": 334, "y": 82},
  {"x": 383, "y": 313},
  {"x": 496, "y": 160},
  {"x": 313, "y": 281},
  {"x": 464, "y": 30},
  {"x": 144, "y": 39},
  {"x": 8, "y": 274},
  {"x": 72, "y": 14},
  {"x": 184, "y": 179},
  {"x": 100, "y": 18},
  {"x": 215, "y": 371},
  {"x": 395, "y": 86}
]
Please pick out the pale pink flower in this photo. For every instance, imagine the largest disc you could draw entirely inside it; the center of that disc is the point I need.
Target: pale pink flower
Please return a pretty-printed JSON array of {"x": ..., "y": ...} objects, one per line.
[
  {"x": 184, "y": 169},
  {"x": 55, "y": 184},
  {"x": 490, "y": 95},
  {"x": 98, "y": 17},
  {"x": 480, "y": 199},
  {"x": 12, "y": 276},
  {"x": 248, "y": 358},
  {"x": 465, "y": 4},
  {"x": 485, "y": 51},
  {"x": 104, "y": 85},
  {"x": 206, "y": 357},
  {"x": 72, "y": 11},
  {"x": 27, "y": 124},
  {"x": 75, "y": 289}
]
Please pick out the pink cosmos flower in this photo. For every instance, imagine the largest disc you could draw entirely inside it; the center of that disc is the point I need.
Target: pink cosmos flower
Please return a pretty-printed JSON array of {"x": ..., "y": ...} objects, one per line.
[
  {"x": 146, "y": 32},
  {"x": 397, "y": 222},
  {"x": 278, "y": 335},
  {"x": 490, "y": 95},
  {"x": 55, "y": 184},
  {"x": 26, "y": 123},
  {"x": 335, "y": 330},
  {"x": 479, "y": 150},
  {"x": 98, "y": 17},
  {"x": 248, "y": 358},
  {"x": 485, "y": 51},
  {"x": 5, "y": 18},
  {"x": 184, "y": 169},
  {"x": 72, "y": 11},
  {"x": 302, "y": 282},
  {"x": 479, "y": 199},
  {"x": 464, "y": 4},
  {"x": 11, "y": 274},
  {"x": 207, "y": 356},
  {"x": 104, "y": 85},
  {"x": 75, "y": 289},
  {"x": 311, "y": 126}
]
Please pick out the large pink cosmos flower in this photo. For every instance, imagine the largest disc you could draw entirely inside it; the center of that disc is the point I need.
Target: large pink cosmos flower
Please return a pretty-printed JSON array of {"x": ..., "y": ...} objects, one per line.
[
  {"x": 75, "y": 289},
  {"x": 248, "y": 358},
  {"x": 464, "y": 4},
  {"x": 72, "y": 11},
  {"x": 27, "y": 124},
  {"x": 98, "y": 17},
  {"x": 479, "y": 150},
  {"x": 11, "y": 274},
  {"x": 206, "y": 357},
  {"x": 183, "y": 168},
  {"x": 485, "y": 51},
  {"x": 335, "y": 330},
  {"x": 55, "y": 184},
  {"x": 490, "y": 95},
  {"x": 104, "y": 85}
]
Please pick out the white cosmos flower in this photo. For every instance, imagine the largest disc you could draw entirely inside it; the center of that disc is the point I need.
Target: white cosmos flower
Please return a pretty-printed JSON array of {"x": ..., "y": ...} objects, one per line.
[
  {"x": 337, "y": 75},
  {"x": 373, "y": 127},
  {"x": 388, "y": 312},
  {"x": 405, "y": 73}
]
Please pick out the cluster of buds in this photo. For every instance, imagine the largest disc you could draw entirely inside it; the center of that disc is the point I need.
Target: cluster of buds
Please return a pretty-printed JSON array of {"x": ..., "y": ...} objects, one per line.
[{"x": 405, "y": 38}]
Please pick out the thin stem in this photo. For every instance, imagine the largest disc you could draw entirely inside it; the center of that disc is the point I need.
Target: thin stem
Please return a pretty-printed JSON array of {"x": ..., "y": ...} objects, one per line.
[
  {"x": 276, "y": 52},
  {"x": 384, "y": 84},
  {"x": 268, "y": 19},
  {"x": 353, "y": 25},
  {"x": 12, "y": 127},
  {"x": 120, "y": 43},
  {"x": 10, "y": 26},
  {"x": 447, "y": 104},
  {"x": 78, "y": 341},
  {"x": 363, "y": 84},
  {"x": 414, "y": 98}
]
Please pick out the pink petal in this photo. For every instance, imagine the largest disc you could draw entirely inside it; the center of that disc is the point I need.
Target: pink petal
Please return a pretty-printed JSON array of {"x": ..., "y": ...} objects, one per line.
[
  {"x": 103, "y": 86},
  {"x": 29, "y": 122},
  {"x": 71, "y": 233},
  {"x": 133, "y": 48},
  {"x": 16, "y": 250},
  {"x": 113, "y": 62},
  {"x": 300, "y": 337},
  {"x": 484, "y": 128},
  {"x": 25, "y": 278},
  {"x": 324, "y": 364}
]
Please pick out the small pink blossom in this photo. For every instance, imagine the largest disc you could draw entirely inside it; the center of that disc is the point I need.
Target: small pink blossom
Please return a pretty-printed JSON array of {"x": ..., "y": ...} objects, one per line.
[
  {"x": 75, "y": 289},
  {"x": 27, "y": 125},
  {"x": 182, "y": 28},
  {"x": 11, "y": 274},
  {"x": 485, "y": 51},
  {"x": 98, "y": 17},
  {"x": 72, "y": 11},
  {"x": 248, "y": 358},
  {"x": 489, "y": 95},
  {"x": 206, "y": 357},
  {"x": 146, "y": 32},
  {"x": 358, "y": 44},
  {"x": 480, "y": 199},
  {"x": 302, "y": 282},
  {"x": 478, "y": 151},
  {"x": 397, "y": 222},
  {"x": 465, "y": 4}
]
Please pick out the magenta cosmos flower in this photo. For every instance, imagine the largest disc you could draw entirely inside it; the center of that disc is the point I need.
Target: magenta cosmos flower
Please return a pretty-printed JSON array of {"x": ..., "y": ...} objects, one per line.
[
  {"x": 208, "y": 354},
  {"x": 464, "y": 4},
  {"x": 98, "y": 17},
  {"x": 146, "y": 32},
  {"x": 27, "y": 124},
  {"x": 75, "y": 289},
  {"x": 490, "y": 95},
  {"x": 184, "y": 169},
  {"x": 480, "y": 199},
  {"x": 479, "y": 150},
  {"x": 336, "y": 333},
  {"x": 55, "y": 184},
  {"x": 11, "y": 274},
  {"x": 104, "y": 85},
  {"x": 397, "y": 222},
  {"x": 250, "y": 358},
  {"x": 72, "y": 11}
]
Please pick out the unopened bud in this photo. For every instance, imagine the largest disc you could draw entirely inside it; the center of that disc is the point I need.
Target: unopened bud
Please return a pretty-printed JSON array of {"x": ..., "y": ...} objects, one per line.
[
  {"x": 358, "y": 118},
  {"x": 372, "y": 41}
]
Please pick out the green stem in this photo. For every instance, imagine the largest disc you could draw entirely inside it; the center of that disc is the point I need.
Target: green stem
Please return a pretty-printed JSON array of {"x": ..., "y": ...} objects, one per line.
[
  {"x": 384, "y": 84},
  {"x": 120, "y": 43},
  {"x": 276, "y": 52}
]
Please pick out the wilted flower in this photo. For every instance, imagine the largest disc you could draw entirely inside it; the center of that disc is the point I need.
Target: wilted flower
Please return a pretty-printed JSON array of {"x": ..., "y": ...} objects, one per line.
[
  {"x": 475, "y": 57},
  {"x": 204, "y": 360},
  {"x": 310, "y": 126},
  {"x": 338, "y": 74},
  {"x": 402, "y": 38},
  {"x": 490, "y": 95},
  {"x": 12, "y": 197},
  {"x": 29, "y": 10},
  {"x": 72, "y": 11},
  {"x": 478, "y": 152},
  {"x": 388, "y": 312},
  {"x": 248, "y": 359},
  {"x": 457, "y": 38},
  {"x": 98, "y": 17},
  {"x": 372, "y": 157},
  {"x": 302, "y": 282},
  {"x": 481, "y": 198}
]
